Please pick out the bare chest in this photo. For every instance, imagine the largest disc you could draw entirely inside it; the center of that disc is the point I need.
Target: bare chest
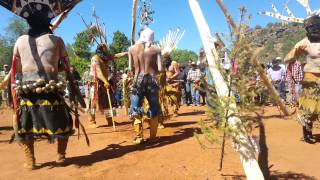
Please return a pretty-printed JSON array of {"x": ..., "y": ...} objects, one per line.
[{"x": 314, "y": 50}]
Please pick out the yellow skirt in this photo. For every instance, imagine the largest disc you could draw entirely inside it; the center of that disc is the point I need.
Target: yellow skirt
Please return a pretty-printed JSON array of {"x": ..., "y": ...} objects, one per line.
[{"x": 309, "y": 101}]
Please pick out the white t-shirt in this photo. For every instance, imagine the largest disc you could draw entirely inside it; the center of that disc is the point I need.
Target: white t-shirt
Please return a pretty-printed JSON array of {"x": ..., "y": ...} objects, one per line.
[{"x": 276, "y": 75}]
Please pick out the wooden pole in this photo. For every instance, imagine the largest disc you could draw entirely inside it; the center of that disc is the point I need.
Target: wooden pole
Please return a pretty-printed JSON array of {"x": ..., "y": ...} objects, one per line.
[
  {"x": 60, "y": 18},
  {"x": 266, "y": 81},
  {"x": 111, "y": 110},
  {"x": 241, "y": 140},
  {"x": 14, "y": 5},
  {"x": 134, "y": 14}
]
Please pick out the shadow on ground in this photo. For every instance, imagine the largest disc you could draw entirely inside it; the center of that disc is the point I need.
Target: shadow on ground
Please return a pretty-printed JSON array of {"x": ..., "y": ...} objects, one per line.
[
  {"x": 275, "y": 176},
  {"x": 194, "y": 113},
  {"x": 290, "y": 175},
  {"x": 6, "y": 128},
  {"x": 179, "y": 124},
  {"x": 117, "y": 124},
  {"x": 117, "y": 150},
  {"x": 263, "y": 158}
]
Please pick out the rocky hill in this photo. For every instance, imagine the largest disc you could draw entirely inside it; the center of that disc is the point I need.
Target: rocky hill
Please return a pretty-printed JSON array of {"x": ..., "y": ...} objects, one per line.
[{"x": 276, "y": 38}]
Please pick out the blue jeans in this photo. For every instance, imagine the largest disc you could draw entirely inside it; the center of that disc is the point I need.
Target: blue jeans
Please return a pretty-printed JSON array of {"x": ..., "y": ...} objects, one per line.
[
  {"x": 188, "y": 95},
  {"x": 281, "y": 88},
  {"x": 145, "y": 87},
  {"x": 136, "y": 108},
  {"x": 195, "y": 95},
  {"x": 118, "y": 97}
]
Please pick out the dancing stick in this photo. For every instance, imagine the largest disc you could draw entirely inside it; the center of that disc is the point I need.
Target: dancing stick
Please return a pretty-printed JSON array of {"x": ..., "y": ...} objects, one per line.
[
  {"x": 111, "y": 109},
  {"x": 266, "y": 81}
]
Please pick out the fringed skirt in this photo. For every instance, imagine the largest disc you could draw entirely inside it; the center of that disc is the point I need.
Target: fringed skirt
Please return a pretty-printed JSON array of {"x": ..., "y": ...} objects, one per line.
[{"x": 309, "y": 101}]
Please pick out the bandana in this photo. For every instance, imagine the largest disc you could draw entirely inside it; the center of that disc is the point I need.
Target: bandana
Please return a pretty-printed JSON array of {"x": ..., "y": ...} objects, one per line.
[{"x": 147, "y": 37}]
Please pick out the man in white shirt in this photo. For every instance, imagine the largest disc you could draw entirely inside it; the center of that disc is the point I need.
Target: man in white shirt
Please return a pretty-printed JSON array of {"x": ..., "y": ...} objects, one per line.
[{"x": 277, "y": 74}]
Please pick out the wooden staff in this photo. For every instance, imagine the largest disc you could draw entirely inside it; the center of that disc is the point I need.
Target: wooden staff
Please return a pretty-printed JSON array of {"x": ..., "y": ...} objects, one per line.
[
  {"x": 14, "y": 6},
  {"x": 60, "y": 18},
  {"x": 266, "y": 81},
  {"x": 241, "y": 140},
  {"x": 111, "y": 109},
  {"x": 229, "y": 18},
  {"x": 134, "y": 14}
]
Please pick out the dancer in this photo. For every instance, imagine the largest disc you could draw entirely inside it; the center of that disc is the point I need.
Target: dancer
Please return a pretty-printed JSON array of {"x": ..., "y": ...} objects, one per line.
[{"x": 145, "y": 58}]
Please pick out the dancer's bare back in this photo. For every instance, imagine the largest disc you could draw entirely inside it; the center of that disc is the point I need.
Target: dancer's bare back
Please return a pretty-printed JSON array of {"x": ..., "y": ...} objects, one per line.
[
  {"x": 145, "y": 60},
  {"x": 39, "y": 54}
]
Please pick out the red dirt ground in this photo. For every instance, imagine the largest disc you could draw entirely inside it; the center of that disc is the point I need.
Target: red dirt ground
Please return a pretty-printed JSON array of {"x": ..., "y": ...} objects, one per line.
[{"x": 177, "y": 155}]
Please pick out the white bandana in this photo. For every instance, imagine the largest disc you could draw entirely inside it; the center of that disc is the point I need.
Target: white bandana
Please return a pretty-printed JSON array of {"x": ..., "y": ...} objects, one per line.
[{"x": 146, "y": 36}]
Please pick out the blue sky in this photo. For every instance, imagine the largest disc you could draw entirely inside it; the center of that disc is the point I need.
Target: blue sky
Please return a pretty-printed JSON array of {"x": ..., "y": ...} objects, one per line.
[{"x": 169, "y": 14}]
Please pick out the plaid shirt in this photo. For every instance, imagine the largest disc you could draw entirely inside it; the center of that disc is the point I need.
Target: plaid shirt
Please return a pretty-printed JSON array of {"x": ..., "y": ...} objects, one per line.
[
  {"x": 194, "y": 75},
  {"x": 294, "y": 73}
]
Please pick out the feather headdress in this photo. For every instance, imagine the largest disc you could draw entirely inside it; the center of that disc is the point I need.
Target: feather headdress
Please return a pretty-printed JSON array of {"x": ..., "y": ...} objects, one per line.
[{"x": 170, "y": 41}]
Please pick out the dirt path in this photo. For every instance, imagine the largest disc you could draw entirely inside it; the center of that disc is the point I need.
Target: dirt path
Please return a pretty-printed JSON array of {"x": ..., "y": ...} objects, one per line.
[
  {"x": 289, "y": 158},
  {"x": 178, "y": 155}
]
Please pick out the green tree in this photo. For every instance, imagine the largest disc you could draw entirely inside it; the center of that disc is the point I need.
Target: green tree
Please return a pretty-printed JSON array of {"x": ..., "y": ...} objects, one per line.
[
  {"x": 80, "y": 51},
  {"x": 80, "y": 64},
  {"x": 15, "y": 28},
  {"x": 182, "y": 56},
  {"x": 120, "y": 43},
  {"x": 5, "y": 51},
  {"x": 82, "y": 45}
]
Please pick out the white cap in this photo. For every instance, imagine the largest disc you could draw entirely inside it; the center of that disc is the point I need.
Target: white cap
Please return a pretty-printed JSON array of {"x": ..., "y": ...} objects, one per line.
[
  {"x": 146, "y": 36},
  {"x": 278, "y": 58}
]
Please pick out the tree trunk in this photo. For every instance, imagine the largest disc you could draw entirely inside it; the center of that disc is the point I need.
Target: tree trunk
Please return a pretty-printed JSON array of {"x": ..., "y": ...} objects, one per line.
[{"x": 243, "y": 145}]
